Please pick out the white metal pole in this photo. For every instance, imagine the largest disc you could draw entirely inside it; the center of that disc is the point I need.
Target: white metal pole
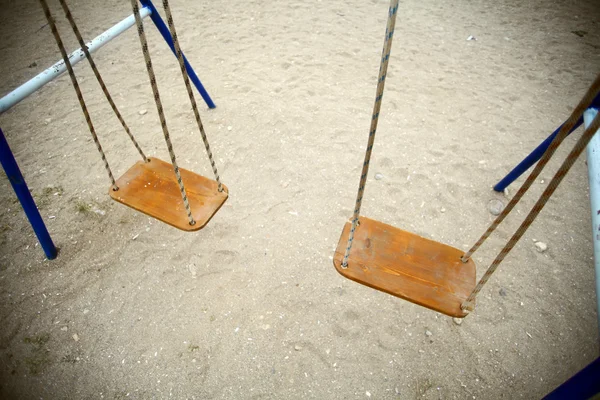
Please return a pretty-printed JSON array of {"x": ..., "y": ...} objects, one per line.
[
  {"x": 593, "y": 162},
  {"x": 59, "y": 68}
]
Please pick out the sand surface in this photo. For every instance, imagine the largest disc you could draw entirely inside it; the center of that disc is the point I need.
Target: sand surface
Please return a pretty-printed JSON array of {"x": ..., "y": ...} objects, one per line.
[{"x": 251, "y": 306}]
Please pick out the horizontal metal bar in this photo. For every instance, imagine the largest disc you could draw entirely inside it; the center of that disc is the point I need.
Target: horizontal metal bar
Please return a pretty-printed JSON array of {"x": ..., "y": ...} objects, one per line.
[{"x": 59, "y": 68}]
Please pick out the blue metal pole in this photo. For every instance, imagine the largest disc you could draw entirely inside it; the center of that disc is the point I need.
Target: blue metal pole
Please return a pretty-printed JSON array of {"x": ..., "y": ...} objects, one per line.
[
  {"x": 536, "y": 154},
  {"x": 583, "y": 385},
  {"x": 166, "y": 34},
  {"x": 531, "y": 159},
  {"x": 17, "y": 181}
]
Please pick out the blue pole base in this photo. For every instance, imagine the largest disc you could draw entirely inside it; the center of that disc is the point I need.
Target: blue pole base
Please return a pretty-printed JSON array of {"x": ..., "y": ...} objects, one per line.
[
  {"x": 583, "y": 385},
  {"x": 17, "y": 181},
  {"x": 536, "y": 154},
  {"x": 531, "y": 159}
]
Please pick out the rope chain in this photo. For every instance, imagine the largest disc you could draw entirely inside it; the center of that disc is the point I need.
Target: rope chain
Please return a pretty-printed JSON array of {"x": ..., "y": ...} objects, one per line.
[
  {"x": 159, "y": 107},
  {"x": 85, "y": 50},
  {"x": 556, "y": 180},
  {"x": 385, "y": 57},
  {"x": 188, "y": 86},
  {"x": 88, "y": 119},
  {"x": 558, "y": 139}
]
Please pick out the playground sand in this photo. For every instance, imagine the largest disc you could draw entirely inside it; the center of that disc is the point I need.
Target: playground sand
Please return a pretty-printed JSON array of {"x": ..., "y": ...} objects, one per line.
[{"x": 251, "y": 306}]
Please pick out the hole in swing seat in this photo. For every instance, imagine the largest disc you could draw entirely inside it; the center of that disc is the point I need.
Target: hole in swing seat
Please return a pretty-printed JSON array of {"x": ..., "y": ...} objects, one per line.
[
  {"x": 152, "y": 188},
  {"x": 408, "y": 266}
]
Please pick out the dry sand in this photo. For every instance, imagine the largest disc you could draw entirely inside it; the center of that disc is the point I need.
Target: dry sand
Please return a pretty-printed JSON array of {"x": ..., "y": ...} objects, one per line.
[{"x": 251, "y": 306}]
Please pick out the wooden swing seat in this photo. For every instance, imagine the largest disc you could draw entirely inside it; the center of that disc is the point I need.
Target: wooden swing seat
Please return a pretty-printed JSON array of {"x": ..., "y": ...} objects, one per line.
[
  {"x": 152, "y": 188},
  {"x": 408, "y": 266}
]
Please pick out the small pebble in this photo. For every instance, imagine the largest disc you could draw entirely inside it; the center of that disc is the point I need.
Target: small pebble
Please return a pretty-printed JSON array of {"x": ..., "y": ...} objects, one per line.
[
  {"x": 428, "y": 333},
  {"x": 297, "y": 348},
  {"x": 502, "y": 292},
  {"x": 143, "y": 112},
  {"x": 368, "y": 393},
  {"x": 443, "y": 210},
  {"x": 75, "y": 337},
  {"x": 457, "y": 321},
  {"x": 541, "y": 247},
  {"x": 495, "y": 207},
  {"x": 64, "y": 329},
  {"x": 378, "y": 176},
  {"x": 471, "y": 37},
  {"x": 229, "y": 127}
]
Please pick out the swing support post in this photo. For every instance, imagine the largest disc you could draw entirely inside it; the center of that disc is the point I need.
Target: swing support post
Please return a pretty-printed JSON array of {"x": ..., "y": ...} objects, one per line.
[
  {"x": 530, "y": 160},
  {"x": 536, "y": 154},
  {"x": 11, "y": 168},
  {"x": 164, "y": 31},
  {"x": 593, "y": 162},
  {"x": 59, "y": 68}
]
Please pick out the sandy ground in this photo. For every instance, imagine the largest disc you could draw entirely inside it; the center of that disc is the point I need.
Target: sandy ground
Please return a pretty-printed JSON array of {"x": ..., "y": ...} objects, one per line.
[{"x": 251, "y": 306}]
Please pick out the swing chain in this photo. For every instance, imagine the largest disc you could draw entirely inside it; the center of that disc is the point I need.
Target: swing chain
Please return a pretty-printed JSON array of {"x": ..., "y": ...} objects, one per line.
[
  {"x": 86, "y": 51},
  {"x": 190, "y": 92},
  {"x": 159, "y": 107},
  {"x": 556, "y": 142},
  {"x": 88, "y": 119},
  {"x": 385, "y": 57},
  {"x": 585, "y": 102},
  {"x": 537, "y": 208}
]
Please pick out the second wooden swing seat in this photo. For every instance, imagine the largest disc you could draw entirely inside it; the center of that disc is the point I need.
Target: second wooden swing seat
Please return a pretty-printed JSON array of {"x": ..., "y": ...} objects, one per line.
[
  {"x": 408, "y": 266},
  {"x": 395, "y": 261},
  {"x": 422, "y": 271}
]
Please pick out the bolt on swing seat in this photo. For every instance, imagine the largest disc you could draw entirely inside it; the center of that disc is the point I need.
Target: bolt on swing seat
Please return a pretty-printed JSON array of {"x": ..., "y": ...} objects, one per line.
[
  {"x": 152, "y": 188},
  {"x": 406, "y": 265}
]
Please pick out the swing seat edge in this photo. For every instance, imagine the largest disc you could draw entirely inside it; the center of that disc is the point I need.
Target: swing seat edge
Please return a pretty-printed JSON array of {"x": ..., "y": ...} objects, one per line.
[
  {"x": 407, "y": 266},
  {"x": 152, "y": 189}
]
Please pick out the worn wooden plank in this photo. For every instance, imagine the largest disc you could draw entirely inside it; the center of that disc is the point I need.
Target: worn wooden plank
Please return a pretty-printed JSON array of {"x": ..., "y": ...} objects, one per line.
[
  {"x": 152, "y": 189},
  {"x": 406, "y": 265}
]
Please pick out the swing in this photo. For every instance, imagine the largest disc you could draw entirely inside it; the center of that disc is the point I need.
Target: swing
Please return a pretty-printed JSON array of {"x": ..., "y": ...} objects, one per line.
[
  {"x": 422, "y": 271},
  {"x": 148, "y": 186},
  {"x": 152, "y": 186}
]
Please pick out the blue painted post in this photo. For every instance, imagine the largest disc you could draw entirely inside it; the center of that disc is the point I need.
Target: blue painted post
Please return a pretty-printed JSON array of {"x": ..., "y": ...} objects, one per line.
[
  {"x": 166, "y": 34},
  {"x": 583, "y": 385},
  {"x": 536, "y": 154},
  {"x": 531, "y": 159},
  {"x": 20, "y": 187}
]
